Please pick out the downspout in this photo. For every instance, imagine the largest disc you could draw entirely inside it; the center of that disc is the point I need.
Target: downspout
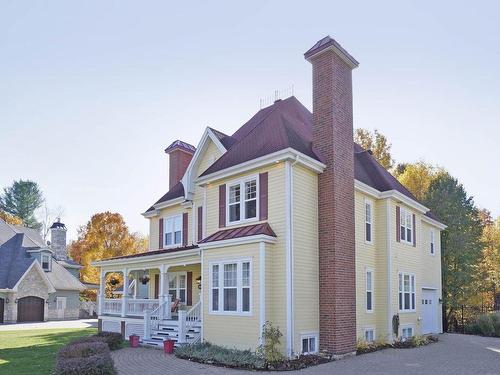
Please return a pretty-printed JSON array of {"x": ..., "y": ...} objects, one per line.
[
  {"x": 389, "y": 268},
  {"x": 289, "y": 255}
]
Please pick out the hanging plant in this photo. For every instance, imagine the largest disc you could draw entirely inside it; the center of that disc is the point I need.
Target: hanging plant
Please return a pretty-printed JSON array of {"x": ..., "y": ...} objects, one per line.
[
  {"x": 144, "y": 280},
  {"x": 113, "y": 281}
]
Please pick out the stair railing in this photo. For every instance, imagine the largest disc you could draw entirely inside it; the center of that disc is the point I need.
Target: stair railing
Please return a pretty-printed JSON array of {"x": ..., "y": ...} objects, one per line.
[{"x": 153, "y": 317}]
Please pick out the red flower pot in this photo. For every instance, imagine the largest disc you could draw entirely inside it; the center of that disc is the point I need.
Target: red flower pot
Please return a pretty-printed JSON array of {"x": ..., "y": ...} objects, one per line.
[
  {"x": 134, "y": 341},
  {"x": 168, "y": 346}
]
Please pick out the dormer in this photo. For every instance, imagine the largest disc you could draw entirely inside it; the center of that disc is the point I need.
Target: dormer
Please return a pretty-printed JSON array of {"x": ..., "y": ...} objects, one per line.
[{"x": 44, "y": 257}]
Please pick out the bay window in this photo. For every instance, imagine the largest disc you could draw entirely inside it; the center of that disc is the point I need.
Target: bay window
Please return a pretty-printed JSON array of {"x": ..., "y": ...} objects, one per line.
[
  {"x": 230, "y": 287},
  {"x": 406, "y": 293},
  {"x": 242, "y": 200},
  {"x": 172, "y": 231}
]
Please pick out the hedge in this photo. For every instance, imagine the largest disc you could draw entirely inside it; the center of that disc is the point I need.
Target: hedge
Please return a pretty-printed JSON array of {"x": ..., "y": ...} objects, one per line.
[
  {"x": 485, "y": 325},
  {"x": 84, "y": 358}
]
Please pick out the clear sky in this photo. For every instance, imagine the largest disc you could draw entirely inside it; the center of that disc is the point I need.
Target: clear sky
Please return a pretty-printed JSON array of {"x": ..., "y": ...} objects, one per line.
[{"x": 91, "y": 92}]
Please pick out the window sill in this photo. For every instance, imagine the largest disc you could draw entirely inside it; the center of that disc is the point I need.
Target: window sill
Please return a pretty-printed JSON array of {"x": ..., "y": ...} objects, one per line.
[
  {"x": 240, "y": 222},
  {"x": 231, "y": 313},
  {"x": 407, "y": 311}
]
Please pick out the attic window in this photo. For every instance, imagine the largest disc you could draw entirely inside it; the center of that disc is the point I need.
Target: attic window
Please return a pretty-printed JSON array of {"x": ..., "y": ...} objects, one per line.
[{"x": 46, "y": 262}]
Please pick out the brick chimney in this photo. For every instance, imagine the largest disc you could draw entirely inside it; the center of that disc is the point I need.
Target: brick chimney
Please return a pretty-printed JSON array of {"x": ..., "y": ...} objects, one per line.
[
  {"x": 58, "y": 240},
  {"x": 333, "y": 139},
  {"x": 180, "y": 154}
]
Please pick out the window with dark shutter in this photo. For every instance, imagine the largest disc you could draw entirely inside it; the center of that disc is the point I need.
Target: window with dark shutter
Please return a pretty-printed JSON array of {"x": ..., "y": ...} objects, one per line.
[
  {"x": 222, "y": 206},
  {"x": 185, "y": 229},
  {"x": 200, "y": 223},
  {"x": 160, "y": 234},
  {"x": 263, "y": 177},
  {"x": 398, "y": 224}
]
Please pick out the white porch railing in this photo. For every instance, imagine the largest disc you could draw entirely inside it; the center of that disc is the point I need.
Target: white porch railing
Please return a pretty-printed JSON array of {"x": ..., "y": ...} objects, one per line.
[
  {"x": 112, "y": 306},
  {"x": 193, "y": 316},
  {"x": 153, "y": 317},
  {"x": 137, "y": 307}
]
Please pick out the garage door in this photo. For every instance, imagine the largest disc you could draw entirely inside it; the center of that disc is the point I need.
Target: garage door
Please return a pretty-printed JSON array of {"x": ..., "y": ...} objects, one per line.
[
  {"x": 30, "y": 309},
  {"x": 429, "y": 311}
]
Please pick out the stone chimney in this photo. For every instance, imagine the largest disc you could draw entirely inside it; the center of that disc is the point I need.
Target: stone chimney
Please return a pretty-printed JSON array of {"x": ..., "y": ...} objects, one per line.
[
  {"x": 333, "y": 140},
  {"x": 180, "y": 154},
  {"x": 58, "y": 240}
]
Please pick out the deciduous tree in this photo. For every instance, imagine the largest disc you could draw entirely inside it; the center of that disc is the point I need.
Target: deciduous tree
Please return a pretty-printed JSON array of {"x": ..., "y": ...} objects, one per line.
[
  {"x": 418, "y": 176},
  {"x": 10, "y": 219},
  {"x": 378, "y": 144}
]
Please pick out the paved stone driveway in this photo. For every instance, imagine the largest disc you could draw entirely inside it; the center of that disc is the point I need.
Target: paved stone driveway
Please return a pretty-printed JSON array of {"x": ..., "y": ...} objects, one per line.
[{"x": 453, "y": 355}]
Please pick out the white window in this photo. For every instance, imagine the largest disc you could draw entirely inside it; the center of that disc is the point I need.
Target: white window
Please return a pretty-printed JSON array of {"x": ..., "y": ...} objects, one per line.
[
  {"x": 177, "y": 285},
  {"x": 433, "y": 245},
  {"x": 406, "y": 223},
  {"x": 45, "y": 262},
  {"x": 242, "y": 201},
  {"x": 231, "y": 287},
  {"x": 406, "y": 292},
  {"x": 369, "y": 334},
  {"x": 172, "y": 231},
  {"x": 368, "y": 221},
  {"x": 369, "y": 291},
  {"x": 309, "y": 344},
  {"x": 406, "y": 332}
]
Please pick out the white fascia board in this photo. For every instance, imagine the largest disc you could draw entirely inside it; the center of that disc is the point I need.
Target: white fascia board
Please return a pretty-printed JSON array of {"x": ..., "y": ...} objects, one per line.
[
  {"x": 404, "y": 199},
  {"x": 159, "y": 206},
  {"x": 146, "y": 258},
  {"x": 367, "y": 189},
  {"x": 278, "y": 156},
  {"x": 436, "y": 223},
  {"x": 40, "y": 250},
  {"x": 188, "y": 179},
  {"x": 237, "y": 241}
]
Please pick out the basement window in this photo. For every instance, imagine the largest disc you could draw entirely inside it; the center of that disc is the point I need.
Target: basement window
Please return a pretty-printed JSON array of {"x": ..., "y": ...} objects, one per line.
[
  {"x": 369, "y": 334},
  {"x": 309, "y": 344}
]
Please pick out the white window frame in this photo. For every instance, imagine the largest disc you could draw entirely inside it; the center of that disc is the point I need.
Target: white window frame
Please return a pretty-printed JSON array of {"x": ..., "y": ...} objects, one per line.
[
  {"x": 368, "y": 329},
  {"x": 402, "y": 292},
  {"x": 368, "y": 220},
  {"x": 177, "y": 288},
  {"x": 369, "y": 271},
  {"x": 239, "y": 288},
  {"x": 404, "y": 327},
  {"x": 241, "y": 183},
  {"x": 165, "y": 220},
  {"x": 42, "y": 256},
  {"x": 308, "y": 337},
  {"x": 432, "y": 245},
  {"x": 405, "y": 224}
]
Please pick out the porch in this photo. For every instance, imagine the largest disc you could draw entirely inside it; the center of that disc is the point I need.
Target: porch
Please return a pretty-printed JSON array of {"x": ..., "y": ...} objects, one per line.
[{"x": 156, "y": 299}]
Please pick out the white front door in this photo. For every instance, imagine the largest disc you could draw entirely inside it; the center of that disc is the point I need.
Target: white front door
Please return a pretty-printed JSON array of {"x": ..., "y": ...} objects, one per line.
[
  {"x": 61, "y": 307},
  {"x": 429, "y": 311}
]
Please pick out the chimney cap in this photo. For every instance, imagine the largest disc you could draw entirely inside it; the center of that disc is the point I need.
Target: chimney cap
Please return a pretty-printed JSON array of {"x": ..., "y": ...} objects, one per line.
[
  {"x": 330, "y": 44},
  {"x": 180, "y": 145},
  {"x": 58, "y": 224}
]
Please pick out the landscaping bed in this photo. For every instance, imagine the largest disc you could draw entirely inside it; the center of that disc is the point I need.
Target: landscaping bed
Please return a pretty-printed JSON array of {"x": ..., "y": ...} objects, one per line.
[
  {"x": 243, "y": 359},
  {"x": 364, "y": 347}
]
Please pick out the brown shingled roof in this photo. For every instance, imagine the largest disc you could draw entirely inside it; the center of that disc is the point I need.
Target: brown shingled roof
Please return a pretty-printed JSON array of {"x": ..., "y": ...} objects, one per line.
[{"x": 246, "y": 231}]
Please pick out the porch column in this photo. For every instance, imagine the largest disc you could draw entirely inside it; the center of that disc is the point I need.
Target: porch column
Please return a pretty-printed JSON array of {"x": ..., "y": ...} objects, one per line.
[
  {"x": 161, "y": 293},
  {"x": 102, "y": 293},
  {"x": 125, "y": 292}
]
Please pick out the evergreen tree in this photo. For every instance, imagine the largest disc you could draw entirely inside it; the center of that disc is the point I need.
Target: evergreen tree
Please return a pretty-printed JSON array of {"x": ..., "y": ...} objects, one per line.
[{"x": 21, "y": 200}]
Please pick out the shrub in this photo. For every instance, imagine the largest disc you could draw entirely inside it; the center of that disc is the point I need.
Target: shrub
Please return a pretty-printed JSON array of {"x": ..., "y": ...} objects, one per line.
[
  {"x": 495, "y": 320},
  {"x": 83, "y": 349},
  {"x": 218, "y": 355},
  {"x": 485, "y": 325},
  {"x": 113, "y": 339},
  {"x": 269, "y": 350},
  {"x": 93, "y": 338},
  {"x": 363, "y": 346},
  {"x": 414, "y": 342},
  {"x": 84, "y": 358}
]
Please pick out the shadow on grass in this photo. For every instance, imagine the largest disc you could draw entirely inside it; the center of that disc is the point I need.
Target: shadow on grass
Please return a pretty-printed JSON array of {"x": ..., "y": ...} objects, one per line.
[{"x": 34, "y": 352}]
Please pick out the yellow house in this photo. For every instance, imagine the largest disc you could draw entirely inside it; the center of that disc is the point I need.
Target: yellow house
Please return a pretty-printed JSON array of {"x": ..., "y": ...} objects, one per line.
[{"x": 288, "y": 221}]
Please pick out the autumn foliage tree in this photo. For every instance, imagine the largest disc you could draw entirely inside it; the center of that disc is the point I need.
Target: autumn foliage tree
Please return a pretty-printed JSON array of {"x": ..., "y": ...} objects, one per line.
[
  {"x": 106, "y": 235},
  {"x": 10, "y": 219},
  {"x": 378, "y": 144}
]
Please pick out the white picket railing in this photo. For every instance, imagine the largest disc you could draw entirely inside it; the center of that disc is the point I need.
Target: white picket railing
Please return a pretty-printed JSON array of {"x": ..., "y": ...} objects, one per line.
[
  {"x": 112, "y": 306},
  {"x": 137, "y": 307},
  {"x": 153, "y": 317},
  {"x": 193, "y": 316}
]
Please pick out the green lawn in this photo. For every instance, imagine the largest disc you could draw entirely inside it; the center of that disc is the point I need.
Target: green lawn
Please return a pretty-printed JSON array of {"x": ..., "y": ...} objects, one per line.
[{"x": 34, "y": 352}]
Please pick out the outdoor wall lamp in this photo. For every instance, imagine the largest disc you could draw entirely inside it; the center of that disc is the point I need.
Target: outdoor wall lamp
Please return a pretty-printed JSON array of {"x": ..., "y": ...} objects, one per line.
[
  {"x": 7, "y": 300},
  {"x": 198, "y": 282},
  {"x": 441, "y": 301},
  {"x": 15, "y": 301}
]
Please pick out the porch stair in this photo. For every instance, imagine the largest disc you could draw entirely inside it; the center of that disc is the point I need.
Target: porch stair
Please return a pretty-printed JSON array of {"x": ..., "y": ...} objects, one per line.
[{"x": 168, "y": 330}]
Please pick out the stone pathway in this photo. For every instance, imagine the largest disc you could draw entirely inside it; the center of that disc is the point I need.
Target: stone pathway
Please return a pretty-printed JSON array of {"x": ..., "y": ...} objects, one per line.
[
  {"x": 452, "y": 355},
  {"x": 60, "y": 324}
]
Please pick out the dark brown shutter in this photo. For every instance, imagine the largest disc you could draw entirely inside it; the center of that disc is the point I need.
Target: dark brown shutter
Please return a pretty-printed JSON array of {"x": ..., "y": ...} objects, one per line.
[
  {"x": 185, "y": 229},
  {"x": 414, "y": 231},
  {"x": 222, "y": 206},
  {"x": 189, "y": 290},
  {"x": 398, "y": 224},
  {"x": 263, "y": 196},
  {"x": 157, "y": 285},
  {"x": 160, "y": 234},
  {"x": 200, "y": 223}
]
